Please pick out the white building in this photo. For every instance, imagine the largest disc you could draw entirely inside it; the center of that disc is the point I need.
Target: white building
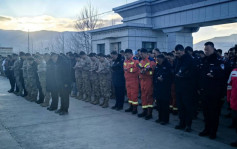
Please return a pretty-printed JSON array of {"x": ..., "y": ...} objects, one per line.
[
  {"x": 161, "y": 23},
  {"x": 4, "y": 51}
]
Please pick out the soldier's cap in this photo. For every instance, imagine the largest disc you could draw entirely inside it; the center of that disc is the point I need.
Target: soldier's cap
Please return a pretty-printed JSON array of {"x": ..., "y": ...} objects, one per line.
[
  {"x": 128, "y": 51},
  {"x": 82, "y": 53}
]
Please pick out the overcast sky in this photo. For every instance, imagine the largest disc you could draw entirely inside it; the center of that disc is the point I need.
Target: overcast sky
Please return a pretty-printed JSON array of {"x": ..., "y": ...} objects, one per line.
[{"x": 60, "y": 15}]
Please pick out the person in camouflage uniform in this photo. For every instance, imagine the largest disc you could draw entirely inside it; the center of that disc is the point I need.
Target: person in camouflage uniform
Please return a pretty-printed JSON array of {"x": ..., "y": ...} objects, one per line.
[
  {"x": 78, "y": 76},
  {"x": 47, "y": 96},
  {"x": 31, "y": 76},
  {"x": 1, "y": 65},
  {"x": 104, "y": 80},
  {"x": 25, "y": 74},
  {"x": 95, "y": 86},
  {"x": 17, "y": 74},
  {"x": 86, "y": 66},
  {"x": 41, "y": 70}
]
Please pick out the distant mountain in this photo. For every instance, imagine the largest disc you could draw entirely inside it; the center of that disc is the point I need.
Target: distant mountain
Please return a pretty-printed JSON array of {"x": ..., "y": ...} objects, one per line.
[
  {"x": 44, "y": 40},
  {"x": 39, "y": 41},
  {"x": 224, "y": 42}
]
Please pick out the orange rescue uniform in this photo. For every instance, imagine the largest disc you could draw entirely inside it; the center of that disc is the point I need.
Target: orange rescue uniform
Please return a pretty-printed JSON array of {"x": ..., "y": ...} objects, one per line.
[
  {"x": 146, "y": 81},
  {"x": 131, "y": 73}
]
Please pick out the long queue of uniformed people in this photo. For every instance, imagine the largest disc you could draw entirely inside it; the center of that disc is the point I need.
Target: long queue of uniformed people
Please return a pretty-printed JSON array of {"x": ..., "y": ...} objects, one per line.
[{"x": 180, "y": 82}]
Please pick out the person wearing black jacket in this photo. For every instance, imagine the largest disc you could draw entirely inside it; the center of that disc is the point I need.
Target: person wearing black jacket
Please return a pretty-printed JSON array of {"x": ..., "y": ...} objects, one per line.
[
  {"x": 162, "y": 88},
  {"x": 118, "y": 80},
  {"x": 184, "y": 88},
  {"x": 211, "y": 82},
  {"x": 58, "y": 82},
  {"x": 10, "y": 74}
]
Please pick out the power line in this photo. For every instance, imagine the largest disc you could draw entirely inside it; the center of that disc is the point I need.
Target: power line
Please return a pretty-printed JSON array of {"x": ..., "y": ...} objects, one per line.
[{"x": 96, "y": 15}]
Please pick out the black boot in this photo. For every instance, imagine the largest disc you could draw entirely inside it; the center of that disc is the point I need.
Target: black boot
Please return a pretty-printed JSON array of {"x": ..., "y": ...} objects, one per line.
[
  {"x": 205, "y": 132},
  {"x": 149, "y": 114},
  {"x": 143, "y": 114},
  {"x": 134, "y": 111},
  {"x": 129, "y": 109},
  {"x": 234, "y": 144}
]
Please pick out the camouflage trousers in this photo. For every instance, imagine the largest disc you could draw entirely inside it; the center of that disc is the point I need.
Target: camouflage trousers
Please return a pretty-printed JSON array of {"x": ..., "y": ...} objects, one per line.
[
  {"x": 86, "y": 83},
  {"x": 26, "y": 82},
  {"x": 79, "y": 83},
  {"x": 32, "y": 88},
  {"x": 19, "y": 83},
  {"x": 105, "y": 86},
  {"x": 42, "y": 80},
  {"x": 95, "y": 85}
]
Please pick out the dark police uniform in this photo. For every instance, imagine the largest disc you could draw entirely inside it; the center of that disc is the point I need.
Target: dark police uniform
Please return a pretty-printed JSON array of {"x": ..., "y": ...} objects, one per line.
[
  {"x": 211, "y": 92},
  {"x": 118, "y": 81},
  {"x": 162, "y": 89},
  {"x": 184, "y": 90}
]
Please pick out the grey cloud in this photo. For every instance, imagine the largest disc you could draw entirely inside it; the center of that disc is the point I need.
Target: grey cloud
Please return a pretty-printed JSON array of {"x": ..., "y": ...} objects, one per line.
[{"x": 4, "y": 18}]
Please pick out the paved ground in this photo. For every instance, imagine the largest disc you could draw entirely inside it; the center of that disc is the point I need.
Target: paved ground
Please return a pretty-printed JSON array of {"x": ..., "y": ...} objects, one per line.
[{"x": 27, "y": 125}]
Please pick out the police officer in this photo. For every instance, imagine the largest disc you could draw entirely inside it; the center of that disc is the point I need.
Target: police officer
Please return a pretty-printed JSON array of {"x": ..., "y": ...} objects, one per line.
[
  {"x": 57, "y": 83},
  {"x": 211, "y": 81},
  {"x": 162, "y": 88},
  {"x": 118, "y": 79},
  {"x": 184, "y": 88}
]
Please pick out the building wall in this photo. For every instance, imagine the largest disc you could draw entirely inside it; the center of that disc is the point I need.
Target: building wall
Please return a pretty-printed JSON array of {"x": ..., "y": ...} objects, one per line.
[
  {"x": 130, "y": 38},
  {"x": 6, "y": 51}
]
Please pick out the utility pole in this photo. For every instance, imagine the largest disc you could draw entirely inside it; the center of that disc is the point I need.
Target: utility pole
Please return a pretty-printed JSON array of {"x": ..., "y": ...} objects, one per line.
[
  {"x": 63, "y": 42},
  {"x": 28, "y": 42}
]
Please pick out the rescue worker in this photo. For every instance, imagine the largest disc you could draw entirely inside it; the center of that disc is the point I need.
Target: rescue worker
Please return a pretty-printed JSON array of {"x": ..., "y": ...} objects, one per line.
[
  {"x": 184, "y": 88},
  {"x": 146, "y": 67},
  {"x": 232, "y": 98},
  {"x": 162, "y": 88},
  {"x": 104, "y": 79},
  {"x": 131, "y": 73},
  {"x": 86, "y": 66},
  {"x": 211, "y": 81},
  {"x": 173, "y": 105}
]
